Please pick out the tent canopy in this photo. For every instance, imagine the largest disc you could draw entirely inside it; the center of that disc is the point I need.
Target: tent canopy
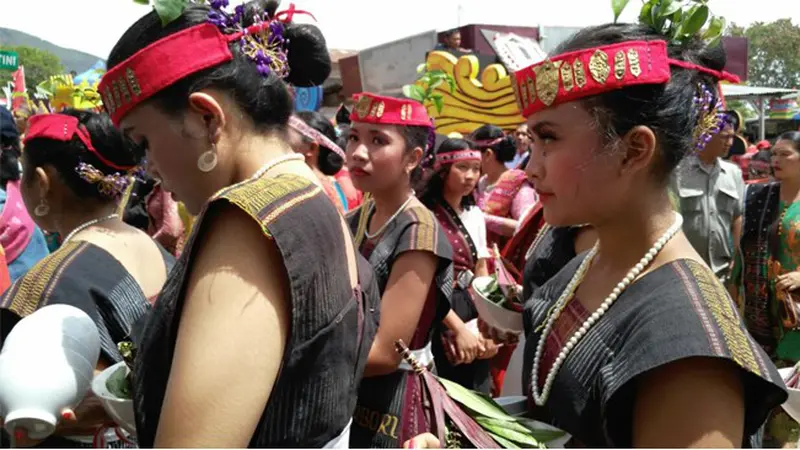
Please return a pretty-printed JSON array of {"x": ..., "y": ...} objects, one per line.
[{"x": 739, "y": 91}]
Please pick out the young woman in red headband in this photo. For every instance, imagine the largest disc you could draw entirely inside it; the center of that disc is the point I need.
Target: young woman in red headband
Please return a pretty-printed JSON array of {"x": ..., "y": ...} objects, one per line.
[
  {"x": 260, "y": 335},
  {"x": 76, "y": 166},
  {"x": 635, "y": 343},
  {"x": 412, "y": 258}
]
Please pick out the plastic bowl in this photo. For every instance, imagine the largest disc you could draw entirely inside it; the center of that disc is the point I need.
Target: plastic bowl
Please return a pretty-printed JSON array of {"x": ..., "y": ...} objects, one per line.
[
  {"x": 119, "y": 409},
  {"x": 792, "y": 404},
  {"x": 495, "y": 316}
]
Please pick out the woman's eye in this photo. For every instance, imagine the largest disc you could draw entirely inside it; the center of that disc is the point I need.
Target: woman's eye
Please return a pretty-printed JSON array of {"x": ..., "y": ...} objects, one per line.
[
  {"x": 352, "y": 138},
  {"x": 377, "y": 141}
]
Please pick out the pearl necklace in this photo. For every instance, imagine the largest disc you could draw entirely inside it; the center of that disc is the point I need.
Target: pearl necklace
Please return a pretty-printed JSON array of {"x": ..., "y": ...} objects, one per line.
[
  {"x": 537, "y": 240},
  {"x": 394, "y": 216},
  {"x": 88, "y": 224},
  {"x": 275, "y": 162},
  {"x": 540, "y": 398}
]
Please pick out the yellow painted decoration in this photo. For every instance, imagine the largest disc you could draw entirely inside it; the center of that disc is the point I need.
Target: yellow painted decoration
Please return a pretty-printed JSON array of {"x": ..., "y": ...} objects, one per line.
[
  {"x": 66, "y": 94},
  {"x": 475, "y": 102}
]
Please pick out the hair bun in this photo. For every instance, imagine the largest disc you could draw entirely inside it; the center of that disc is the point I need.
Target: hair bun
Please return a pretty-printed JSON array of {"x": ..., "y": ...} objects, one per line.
[
  {"x": 309, "y": 60},
  {"x": 714, "y": 57}
]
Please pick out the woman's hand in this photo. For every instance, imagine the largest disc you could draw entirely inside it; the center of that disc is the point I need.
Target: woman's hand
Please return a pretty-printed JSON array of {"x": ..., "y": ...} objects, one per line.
[
  {"x": 788, "y": 281},
  {"x": 490, "y": 348},
  {"x": 20, "y": 435},
  {"x": 496, "y": 335},
  {"x": 426, "y": 440},
  {"x": 467, "y": 346}
]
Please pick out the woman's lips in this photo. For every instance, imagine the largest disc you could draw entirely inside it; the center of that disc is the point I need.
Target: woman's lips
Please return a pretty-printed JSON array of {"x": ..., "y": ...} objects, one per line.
[
  {"x": 357, "y": 172},
  {"x": 544, "y": 196}
]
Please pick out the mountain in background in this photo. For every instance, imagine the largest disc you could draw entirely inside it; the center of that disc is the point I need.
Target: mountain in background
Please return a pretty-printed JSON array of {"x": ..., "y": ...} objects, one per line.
[{"x": 71, "y": 59}]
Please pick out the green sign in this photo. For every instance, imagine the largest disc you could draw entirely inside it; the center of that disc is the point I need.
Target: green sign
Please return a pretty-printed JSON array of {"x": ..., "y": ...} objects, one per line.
[{"x": 8, "y": 60}]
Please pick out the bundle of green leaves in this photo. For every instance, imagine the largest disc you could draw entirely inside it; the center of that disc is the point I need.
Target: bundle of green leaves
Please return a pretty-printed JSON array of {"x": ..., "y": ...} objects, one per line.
[
  {"x": 424, "y": 89},
  {"x": 678, "y": 20}
]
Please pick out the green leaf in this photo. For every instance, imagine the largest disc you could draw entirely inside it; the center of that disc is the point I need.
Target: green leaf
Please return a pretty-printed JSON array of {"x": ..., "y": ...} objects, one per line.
[
  {"x": 438, "y": 102},
  {"x": 696, "y": 21},
  {"x": 117, "y": 383},
  {"x": 474, "y": 401},
  {"x": 488, "y": 423},
  {"x": 422, "y": 68},
  {"x": 669, "y": 8},
  {"x": 714, "y": 28},
  {"x": 505, "y": 443},
  {"x": 524, "y": 439},
  {"x": 618, "y": 6},
  {"x": 169, "y": 10},
  {"x": 417, "y": 93},
  {"x": 644, "y": 14},
  {"x": 407, "y": 90},
  {"x": 142, "y": 2}
]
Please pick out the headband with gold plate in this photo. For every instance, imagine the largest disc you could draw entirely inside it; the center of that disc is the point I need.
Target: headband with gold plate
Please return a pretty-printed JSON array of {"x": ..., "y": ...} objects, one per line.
[
  {"x": 584, "y": 73},
  {"x": 371, "y": 108},
  {"x": 443, "y": 159}
]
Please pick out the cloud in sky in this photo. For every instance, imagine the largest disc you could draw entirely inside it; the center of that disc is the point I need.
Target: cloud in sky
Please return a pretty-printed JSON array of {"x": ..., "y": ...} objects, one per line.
[{"x": 94, "y": 26}]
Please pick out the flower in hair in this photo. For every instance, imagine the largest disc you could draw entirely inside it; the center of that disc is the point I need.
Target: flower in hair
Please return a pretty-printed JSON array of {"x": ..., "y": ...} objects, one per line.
[
  {"x": 112, "y": 185},
  {"x": 263, "y": 42},
  {"x": 710, "y": 118}
]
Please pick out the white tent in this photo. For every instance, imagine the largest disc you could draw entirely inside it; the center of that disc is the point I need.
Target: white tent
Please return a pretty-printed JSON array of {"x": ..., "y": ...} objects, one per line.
[{"x": 759, "y": 96}]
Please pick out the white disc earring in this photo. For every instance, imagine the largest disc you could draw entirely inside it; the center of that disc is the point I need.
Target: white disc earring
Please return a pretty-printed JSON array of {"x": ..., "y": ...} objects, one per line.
[
  {"x": 207, "y": 161},
  {"x": 41, "y": 209}
]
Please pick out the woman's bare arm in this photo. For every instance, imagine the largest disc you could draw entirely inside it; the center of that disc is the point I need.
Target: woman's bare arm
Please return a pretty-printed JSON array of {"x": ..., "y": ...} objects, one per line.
[
  {"x": 231, "y": 340},
  {"x": 401, "y": 307},
  {"x": 695, "y": 402}
]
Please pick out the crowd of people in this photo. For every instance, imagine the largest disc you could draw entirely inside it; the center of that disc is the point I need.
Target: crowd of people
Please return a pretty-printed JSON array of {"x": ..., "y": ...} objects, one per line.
[{"x": 265, "y": 263}]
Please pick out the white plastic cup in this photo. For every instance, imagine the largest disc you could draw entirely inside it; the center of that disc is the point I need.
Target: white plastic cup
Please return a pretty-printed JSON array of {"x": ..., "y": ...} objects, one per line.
[{"x": 46, "y": 366}]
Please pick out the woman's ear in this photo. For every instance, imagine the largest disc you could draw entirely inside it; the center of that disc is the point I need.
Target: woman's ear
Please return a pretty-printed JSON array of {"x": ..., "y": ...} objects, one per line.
[
  {"x": 639, "y": 146},
  {"x": 209, "y": 109},
  {"x": 42, "y": 182},
  {"x": 415, "y": 158}
]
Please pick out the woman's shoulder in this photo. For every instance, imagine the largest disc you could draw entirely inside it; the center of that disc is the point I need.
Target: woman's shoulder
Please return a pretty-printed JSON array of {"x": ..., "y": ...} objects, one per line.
[
  {"x": 64, "y": 276},
  {"x": 681, "y": 310},
  {"x": 420, "y": 230}
]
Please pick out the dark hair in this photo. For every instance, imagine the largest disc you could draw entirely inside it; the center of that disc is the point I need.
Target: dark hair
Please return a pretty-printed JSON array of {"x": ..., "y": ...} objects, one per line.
[
  {"x": 343, "y": 134},
  {"x": 417, "y": 136},
  {"x": 64, "y": 157},
  {"x": 329, "y": 163},
  {"x": 664, "y": 108},
  {"x": 430, "y": 187},
  {"x": 266, "y": 100},
  {"x": 9, "y": 160},
  {"x": 505, "y": 150},
  {"x": 732, "y": 119},
  {"x": 793, "y": 137}
]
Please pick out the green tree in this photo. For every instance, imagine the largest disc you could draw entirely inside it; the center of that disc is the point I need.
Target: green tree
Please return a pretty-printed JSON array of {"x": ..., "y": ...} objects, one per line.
[
  {"x": 39, "y": 65},
  {"x": 774, "y": 53}
]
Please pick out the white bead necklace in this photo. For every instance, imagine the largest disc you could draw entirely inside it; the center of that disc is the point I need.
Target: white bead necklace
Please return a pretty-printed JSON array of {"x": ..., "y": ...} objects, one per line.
[
  {"x": 394, "y": 216},
  {"x": 540, "y": 397},
  {"x": 277, "y": 161},
  {"x": 88, "y": 224}
]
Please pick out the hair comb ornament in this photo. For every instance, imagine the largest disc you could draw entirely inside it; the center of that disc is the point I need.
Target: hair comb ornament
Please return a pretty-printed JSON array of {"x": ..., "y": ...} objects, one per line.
[
  {"x": 710, "y": 117},
  {"x": 197, "y": 48},
  {"x": 113, "y": 185}
]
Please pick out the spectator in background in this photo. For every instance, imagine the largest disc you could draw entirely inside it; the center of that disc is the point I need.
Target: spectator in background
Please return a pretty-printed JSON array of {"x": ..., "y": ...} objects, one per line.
[
  {"x": 522, "y": 140},
  {"x": 452, "y": 42},
  {"x": 759, "y": 167},
  {"x": 710, "y": 192}
]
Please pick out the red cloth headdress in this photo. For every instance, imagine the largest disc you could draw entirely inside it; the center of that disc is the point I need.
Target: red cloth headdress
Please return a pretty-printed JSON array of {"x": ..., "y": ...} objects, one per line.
[
  {"x": 371, "y": 108},
  {"x": 584, "y": 73},
  {"x": 62, "y": 127}
]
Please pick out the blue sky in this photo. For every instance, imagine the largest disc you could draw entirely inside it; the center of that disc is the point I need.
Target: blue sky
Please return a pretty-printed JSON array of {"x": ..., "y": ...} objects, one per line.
[{"x": 95, "y": 25}]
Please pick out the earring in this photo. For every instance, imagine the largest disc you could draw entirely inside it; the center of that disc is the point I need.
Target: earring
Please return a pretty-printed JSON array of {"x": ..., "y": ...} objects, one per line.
[
  {"x": 42, "y": 209},
  {"x": 208, "y": 160}
]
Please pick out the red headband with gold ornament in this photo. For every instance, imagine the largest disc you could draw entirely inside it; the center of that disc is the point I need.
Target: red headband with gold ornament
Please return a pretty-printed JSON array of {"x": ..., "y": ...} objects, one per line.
[
  {"x": 584, "y": 73},
  {"x": 377, "y": 109}
]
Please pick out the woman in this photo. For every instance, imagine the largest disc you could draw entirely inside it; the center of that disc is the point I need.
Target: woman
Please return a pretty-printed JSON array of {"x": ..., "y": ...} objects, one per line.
[
  {"x": 766, "y": 276},
  {"x": 75, "y": 168},
  {"x": 313, "y": 136},
  {"x": 23, "y": 241},
  {"x": 635, "y": 344},
  {"x": 503, "y": 194},
  {"x": 412, "y": 259},
  {"x": 261, "y": 332},
  {"x": 455, "y": 168}
]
